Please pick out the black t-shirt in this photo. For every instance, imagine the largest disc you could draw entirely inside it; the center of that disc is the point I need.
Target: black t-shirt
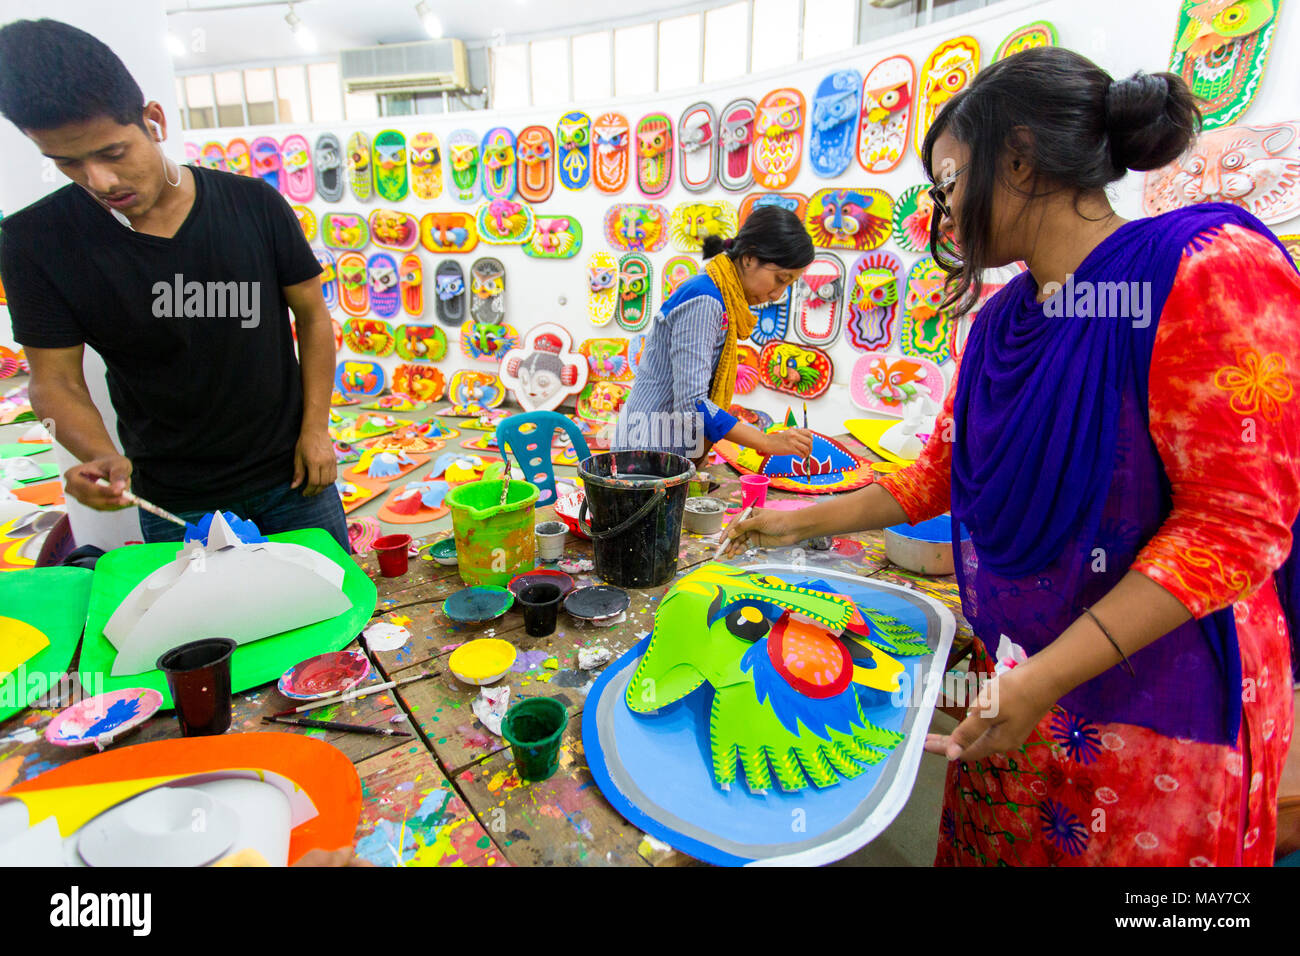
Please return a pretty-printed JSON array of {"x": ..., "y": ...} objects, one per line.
[{"x": 194, "y": 329}]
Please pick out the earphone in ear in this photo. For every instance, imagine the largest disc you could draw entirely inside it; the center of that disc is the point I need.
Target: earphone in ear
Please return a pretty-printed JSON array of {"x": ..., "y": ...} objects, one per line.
[{"x": 157, "y": 130}]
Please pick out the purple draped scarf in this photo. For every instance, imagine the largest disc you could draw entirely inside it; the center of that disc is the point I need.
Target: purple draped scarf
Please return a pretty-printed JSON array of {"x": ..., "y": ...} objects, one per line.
[{"x": 1055, "y": 475}]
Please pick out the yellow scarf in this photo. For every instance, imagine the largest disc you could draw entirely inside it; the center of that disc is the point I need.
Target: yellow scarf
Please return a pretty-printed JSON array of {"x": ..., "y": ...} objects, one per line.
[{"x": 740, "y": 323}]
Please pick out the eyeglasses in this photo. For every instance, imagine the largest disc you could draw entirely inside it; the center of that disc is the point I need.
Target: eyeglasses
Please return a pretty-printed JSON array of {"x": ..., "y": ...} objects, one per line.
[{"x": 938, "y": 193}]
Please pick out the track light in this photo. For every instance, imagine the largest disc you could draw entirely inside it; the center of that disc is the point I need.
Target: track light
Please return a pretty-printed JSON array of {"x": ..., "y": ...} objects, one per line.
[
  {"x": 432, "y": 25},
  {"x": 174, "y": 45},
  {"x": 305, "y": 39}
]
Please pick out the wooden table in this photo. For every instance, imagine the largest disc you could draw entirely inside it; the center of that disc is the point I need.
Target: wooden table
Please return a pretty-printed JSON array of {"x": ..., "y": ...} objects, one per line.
[{"x": 450, "y": 794}]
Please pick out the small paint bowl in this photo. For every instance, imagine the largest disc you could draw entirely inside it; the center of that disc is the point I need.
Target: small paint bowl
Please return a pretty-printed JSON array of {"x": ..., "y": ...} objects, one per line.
[
  {"x": 704, "y": 515},
  {"x": 484, "y": 661},
  {"x": 599, "y": 603},
  {"x": 444, "y": 551},
  {"x": 478, "y": 605},
  {"x": 521, "y": 581},
  {"x": 101, "y": 719},
  {"x": 924, "y": 548},
  {"x": 325, "y": 675}
]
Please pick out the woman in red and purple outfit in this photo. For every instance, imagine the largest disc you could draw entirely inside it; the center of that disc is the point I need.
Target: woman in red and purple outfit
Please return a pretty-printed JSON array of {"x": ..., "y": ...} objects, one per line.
[{"x": 1128, "y": 467}]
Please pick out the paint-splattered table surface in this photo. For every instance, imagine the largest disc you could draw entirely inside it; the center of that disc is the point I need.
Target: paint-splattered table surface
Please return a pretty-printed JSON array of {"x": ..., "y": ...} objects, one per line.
[{"x": 449, "y": 795}]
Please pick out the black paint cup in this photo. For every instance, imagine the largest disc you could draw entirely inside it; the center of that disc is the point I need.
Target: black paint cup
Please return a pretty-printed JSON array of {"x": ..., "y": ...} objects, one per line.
[
  {"x": 541, "y": 604},
  {"x": 198, "y": 675}
]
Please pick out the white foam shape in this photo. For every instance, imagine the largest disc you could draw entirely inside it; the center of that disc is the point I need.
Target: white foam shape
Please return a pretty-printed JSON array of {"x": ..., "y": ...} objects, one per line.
[
  {"x": 167, "y": 826},
  {"x": 225, "y": 589},
  {"x": 40, "y": 845},
  {"x": 384, "y": 636}
]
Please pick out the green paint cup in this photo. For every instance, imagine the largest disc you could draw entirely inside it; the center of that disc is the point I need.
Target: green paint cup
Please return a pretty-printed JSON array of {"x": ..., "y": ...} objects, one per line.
[{"x": 533, "y": 729}]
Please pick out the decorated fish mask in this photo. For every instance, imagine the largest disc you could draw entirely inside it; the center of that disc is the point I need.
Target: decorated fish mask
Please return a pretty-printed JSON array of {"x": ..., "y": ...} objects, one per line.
[
  {"x": 778, "y": 134},
  {"x": 610, "y": 138},
  {"x": 573, "y": 139},
  {"x": 735, "y": 136}
]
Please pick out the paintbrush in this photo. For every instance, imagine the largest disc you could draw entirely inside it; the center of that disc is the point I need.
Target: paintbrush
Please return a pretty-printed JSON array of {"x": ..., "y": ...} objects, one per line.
[
  {"x": 335, "y": 725},
  {"x": 725, "y": 540},
  {"x": 148, "y": 506},
  {"x": 805, "y": 428},
  {"x": 350, "y": 695}
]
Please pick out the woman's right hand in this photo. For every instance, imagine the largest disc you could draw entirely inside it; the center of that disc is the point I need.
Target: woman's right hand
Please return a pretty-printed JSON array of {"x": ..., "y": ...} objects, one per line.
[
  {"x": 115, "y": 469},
  {"x": 792, "y": 441},
  {"x": 764, "y": 529}
]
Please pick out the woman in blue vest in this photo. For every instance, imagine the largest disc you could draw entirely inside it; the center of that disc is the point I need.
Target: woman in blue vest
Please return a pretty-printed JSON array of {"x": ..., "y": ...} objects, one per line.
[{"x": 687, "y": 376}]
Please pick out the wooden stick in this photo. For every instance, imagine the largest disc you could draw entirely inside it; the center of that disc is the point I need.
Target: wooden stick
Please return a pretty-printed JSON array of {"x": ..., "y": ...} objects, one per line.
[
  {"x": 139, "y": 502},
  {"x": 351, "y": 695},
  {"x": 725, "y": 540}
]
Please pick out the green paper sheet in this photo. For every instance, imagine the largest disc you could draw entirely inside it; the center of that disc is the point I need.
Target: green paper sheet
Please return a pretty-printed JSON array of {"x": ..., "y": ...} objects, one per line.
[
  {"x": 253, "y": 664},
  {"x": 54, "y": 601},
  {"x": 22, "y": 449}
]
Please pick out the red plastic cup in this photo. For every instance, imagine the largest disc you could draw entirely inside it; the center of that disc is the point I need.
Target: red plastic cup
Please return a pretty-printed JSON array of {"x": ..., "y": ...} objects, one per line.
[
  {"x": 391, "y": 550},
  {"x": 753, "y": 491}
]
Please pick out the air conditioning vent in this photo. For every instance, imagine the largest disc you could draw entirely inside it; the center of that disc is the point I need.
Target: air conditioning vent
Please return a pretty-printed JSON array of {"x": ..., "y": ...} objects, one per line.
[{"x": 430, "y": 67}]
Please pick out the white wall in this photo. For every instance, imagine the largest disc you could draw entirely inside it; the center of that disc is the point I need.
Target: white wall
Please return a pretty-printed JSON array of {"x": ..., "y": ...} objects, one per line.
[{"x": 136, "y": 31}]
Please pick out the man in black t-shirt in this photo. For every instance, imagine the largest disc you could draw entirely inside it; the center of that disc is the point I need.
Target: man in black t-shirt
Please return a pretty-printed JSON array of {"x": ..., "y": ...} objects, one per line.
[{"x": 182, "y": 279}]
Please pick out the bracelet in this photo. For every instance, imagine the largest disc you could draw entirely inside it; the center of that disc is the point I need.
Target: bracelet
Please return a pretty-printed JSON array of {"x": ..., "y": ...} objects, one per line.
[{"x": 1127, "y": 665}]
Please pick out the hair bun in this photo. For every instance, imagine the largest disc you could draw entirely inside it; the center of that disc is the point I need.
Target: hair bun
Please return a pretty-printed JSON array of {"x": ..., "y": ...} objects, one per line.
[
  {"x": 1150, "y": 120},
  {"x": 714, "y": 244}
]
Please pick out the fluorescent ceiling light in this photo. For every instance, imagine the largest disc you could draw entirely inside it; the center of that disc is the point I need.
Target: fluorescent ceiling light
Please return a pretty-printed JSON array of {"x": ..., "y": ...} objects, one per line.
[{"x": 432, "y": 25}]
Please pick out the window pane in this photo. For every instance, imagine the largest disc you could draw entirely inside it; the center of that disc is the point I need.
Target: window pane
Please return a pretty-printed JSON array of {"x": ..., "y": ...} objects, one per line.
[
  {"x": 326, "y": 98},
  {"x": 291, "y": 87},
  {"x": 776, "y": 33},
  {"x": 259, "y": 89},
  {"x": 198, "y": 93},
  {"x": 361, "y": 106},
  {"x": 230, "y": 98},
  {"x": 550, "y": 72},
  {"x": 679, "y": 52},
  {"x": 509, "y": 76},
  {"x": 633, "y": 73},
  {"x": 724, "y": 42},
  {"x": 827, "y": 26},
  {"x": 591, "y": 78},
  {"x": 180, "y": 103}
]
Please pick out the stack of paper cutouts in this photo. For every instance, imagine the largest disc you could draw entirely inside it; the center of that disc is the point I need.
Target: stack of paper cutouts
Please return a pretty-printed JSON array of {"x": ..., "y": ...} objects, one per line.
[{"x": 767, "y": 694}]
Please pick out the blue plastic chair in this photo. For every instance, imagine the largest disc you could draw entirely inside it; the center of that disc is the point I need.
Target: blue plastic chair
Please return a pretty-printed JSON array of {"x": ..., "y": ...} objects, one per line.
[{"x": 528, "y": 437}]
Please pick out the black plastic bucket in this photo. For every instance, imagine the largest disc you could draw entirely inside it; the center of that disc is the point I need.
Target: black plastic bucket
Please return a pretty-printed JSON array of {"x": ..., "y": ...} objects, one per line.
[{"x": 636, "y": 499}]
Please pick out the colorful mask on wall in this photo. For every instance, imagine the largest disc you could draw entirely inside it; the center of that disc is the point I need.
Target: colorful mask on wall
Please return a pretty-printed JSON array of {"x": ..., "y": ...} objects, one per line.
[
  {"x": 329, "y": 167},
  {"x": 545, "y": 369},
  {"x": 888, "y": 384},
  {"x": 450, "y": 282},
  {"x": 1220, "y": 50},
  {"x": 654, "y": 151},
  {"x": 504, "y": 222},
  {"x": 411, "y": 281},
  {"x": 359, "y": 379},
  {"x": 602, "y": 288},
  {"x": 698, "y": 144},
  {"x": 448, "y": 231},
  {"x": 607, "y": 359},
  {"x": 306, "y": 221},
  {"x": 796, "y": 203},
  {"x": 635, "y": 283},
  {"x": 947, "y": 71},
  {"x": 795, "y": 369},
  {"x": 390, "y": 229},
  {"x": 857, "y": 219},
  {"x": 1292, "y": 244},
  {"x": 573, "y": 143},
  {"x": 1254, "y": 167},
  {"x": 821, "y": 300},
  {"x": 887, "y": 105},
  {"x": 391, "y": 179},
  {"x": 778, "y": 138},
  {"x": 344, "y": 230},
  {"x": 369, "y": 337},
  {"x": 299, "y": 180},
  {"x": 912, "y": 213},
  {"x": 462, "y": 155},
  {"x": 423, "y": 383},
  {"x": 610, "y": 136},
  {"x": 836, "y": 107},
  {"x": 637, "y": 228},
  {"x": 925, "y": 326},
  {"x": 1031, "y": 36},
  {"x": 747, "y": 374},
  {"x": 360, "y": 172},
  {"x": 354, "y": 292},
  {"x": 385, "y": 297},
  {"x": 735, "y": 143},
  {"x": 600, "y": 402},
  {"x": 267, "y": 163},
  {"x": 873, "y": 300},
  {"x": 239, "y": 159},
  {"x": 691, "y": 221},
  {"x": 421, "y": 343},
  {"x": 426, "y": 166},
  {"x": 486, "y": 341},
  {"x": 213, "y": 157},
  {"x": 555, "y": 237},
  {"x": 536, "y": 173},
  {"x": 329, "y": 277},
  {"x": 488, "y": 291},
  {"x": 498, "y": 151},
  {"x": 676, "y": 271},
  {"x": 773, "y": 319},
  {"x": 473, "y": 393}
]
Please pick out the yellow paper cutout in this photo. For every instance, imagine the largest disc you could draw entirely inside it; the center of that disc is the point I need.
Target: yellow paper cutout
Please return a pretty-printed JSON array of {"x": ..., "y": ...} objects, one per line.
[
  {"x": 74, "y": 807},
  {"x": 19, "y": 643}
]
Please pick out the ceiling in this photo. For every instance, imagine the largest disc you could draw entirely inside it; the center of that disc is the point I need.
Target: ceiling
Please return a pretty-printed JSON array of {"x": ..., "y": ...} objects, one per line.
[{"x": 242, "y": 32}]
